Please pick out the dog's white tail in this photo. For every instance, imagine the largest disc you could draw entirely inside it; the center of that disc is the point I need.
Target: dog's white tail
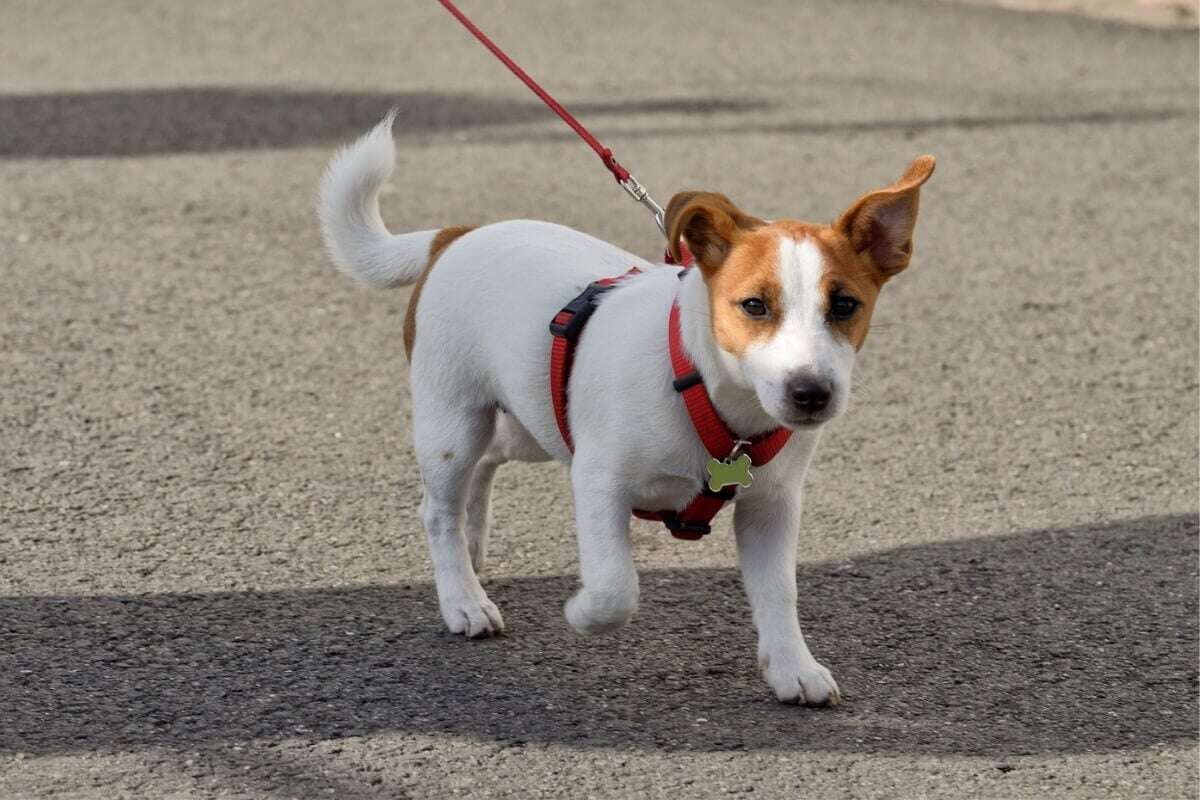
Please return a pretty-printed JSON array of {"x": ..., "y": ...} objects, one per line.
[{"x": 357, "y": 239}]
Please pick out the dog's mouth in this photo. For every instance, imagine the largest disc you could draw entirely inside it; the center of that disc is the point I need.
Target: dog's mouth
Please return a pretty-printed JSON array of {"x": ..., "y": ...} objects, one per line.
[{"x": 802, "y": 422}]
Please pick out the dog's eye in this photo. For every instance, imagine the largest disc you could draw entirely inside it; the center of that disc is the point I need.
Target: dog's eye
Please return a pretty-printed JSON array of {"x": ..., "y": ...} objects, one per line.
[
  {"x": 843, "y": 306},
  {"x": 754, "y": 307}
]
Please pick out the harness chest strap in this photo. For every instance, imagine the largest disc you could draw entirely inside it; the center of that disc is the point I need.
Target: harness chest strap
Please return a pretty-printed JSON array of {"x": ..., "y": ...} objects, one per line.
[{"x": 694, "y": 520}]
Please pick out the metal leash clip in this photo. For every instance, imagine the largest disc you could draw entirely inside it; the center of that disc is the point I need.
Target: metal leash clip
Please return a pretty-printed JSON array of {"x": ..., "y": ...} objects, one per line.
[{"x": 639, "y": 193}]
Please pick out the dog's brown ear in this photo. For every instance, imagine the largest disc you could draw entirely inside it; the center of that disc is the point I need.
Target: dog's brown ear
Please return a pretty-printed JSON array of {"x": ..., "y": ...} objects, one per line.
[
  {"x": 709, "y": 223},
  {"x": 880, "y": 223}
]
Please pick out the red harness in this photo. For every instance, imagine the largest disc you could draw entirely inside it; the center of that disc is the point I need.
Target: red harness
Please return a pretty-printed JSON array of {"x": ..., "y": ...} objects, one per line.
[{"x": 694, "y": 520}]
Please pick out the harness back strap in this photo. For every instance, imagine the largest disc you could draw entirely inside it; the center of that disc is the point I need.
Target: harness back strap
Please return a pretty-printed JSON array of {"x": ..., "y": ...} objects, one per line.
[{"x": 566, "y": 328}]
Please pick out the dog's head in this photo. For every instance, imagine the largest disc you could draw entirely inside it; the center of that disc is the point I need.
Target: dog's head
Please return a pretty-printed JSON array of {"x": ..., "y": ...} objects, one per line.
[{"x": 791, "y": 302}]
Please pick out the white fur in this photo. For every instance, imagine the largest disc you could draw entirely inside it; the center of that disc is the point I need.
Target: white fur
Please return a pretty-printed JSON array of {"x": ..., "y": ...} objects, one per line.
[
  {"x": 349, "y": 208},
  {"x": 480, "y": 386},
  {"x": 804, "y": 342}
]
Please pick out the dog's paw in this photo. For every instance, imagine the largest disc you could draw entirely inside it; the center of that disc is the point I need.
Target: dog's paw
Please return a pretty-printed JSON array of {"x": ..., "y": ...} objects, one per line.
[
  {"x": 475, "y": 619},
  {"x": 801, "y": 681},
  {"x": 589, "y": 614}
]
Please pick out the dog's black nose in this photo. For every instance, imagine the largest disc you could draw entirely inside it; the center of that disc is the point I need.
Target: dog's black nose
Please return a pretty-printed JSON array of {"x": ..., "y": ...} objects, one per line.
[{"x": 809, "y": 394}]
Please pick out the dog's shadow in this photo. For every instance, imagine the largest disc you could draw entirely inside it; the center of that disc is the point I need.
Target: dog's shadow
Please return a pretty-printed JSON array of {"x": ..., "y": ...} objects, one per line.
[{"x": 1054, "y": 641}]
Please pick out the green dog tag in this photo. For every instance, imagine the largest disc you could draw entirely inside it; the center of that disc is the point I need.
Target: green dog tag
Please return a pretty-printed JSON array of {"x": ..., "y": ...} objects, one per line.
[{"x": 730, "y": 472}]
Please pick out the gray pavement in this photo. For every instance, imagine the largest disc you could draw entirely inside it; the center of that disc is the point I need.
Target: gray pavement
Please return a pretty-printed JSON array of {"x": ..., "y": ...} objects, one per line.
[{"x": 212, "y": 580}]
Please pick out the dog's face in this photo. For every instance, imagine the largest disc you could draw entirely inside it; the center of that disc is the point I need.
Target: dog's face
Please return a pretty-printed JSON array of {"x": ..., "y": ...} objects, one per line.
[{"x": 791, "y": 302}]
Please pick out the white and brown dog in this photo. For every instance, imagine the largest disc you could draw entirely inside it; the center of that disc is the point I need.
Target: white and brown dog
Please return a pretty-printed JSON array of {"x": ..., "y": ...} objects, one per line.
[{"x": 772, "y": 318}]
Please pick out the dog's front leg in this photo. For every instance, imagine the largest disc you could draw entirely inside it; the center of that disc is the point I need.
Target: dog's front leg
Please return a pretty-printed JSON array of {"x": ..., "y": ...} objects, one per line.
[
  {"x": 767, "y": 529},
  {"x": 609, "y": 595}
]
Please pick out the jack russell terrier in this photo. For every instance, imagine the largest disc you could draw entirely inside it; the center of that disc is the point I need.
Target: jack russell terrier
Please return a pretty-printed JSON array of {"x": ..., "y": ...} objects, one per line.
[{"x": 684, "y": 380}]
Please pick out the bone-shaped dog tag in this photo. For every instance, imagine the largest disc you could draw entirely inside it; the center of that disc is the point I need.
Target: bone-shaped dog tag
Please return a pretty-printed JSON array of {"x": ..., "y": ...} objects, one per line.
[{"x": 730, "y": 472}]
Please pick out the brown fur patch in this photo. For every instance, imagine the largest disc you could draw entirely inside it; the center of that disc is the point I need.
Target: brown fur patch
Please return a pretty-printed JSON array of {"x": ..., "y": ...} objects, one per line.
[
  {"x": 847, "y": 272},
  {"x": 738, "y": 255},
  {"x": 710, "y": 224},
  {"x": 440, "y": 242},
  {"x": 752, "y": 269},
  {"x": 880, "y": 223}
]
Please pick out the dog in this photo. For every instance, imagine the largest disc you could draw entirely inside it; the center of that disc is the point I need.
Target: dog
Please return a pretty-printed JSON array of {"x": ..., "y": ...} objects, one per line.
[{"x": 772, "y": 316}]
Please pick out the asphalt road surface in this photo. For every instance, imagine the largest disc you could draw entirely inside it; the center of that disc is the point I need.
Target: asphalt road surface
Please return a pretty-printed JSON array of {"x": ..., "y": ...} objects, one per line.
[{"x": 213, "y": 583}]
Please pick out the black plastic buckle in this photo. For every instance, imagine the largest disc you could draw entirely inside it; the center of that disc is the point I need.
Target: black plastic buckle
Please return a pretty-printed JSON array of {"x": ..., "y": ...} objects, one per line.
[
  {"x": 580, "y": 309},
  {"x": 687, "y": 381},
  {"x": 676, "y": 525},
  {"x": 726, "y": 494}
]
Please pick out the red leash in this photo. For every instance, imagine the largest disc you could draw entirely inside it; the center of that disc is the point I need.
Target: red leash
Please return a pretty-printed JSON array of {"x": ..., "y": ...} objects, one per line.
[{"x": 628, "y": 182}]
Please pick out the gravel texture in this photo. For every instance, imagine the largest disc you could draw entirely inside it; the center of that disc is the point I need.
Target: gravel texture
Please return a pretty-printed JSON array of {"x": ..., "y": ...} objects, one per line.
[{"x": 212, "y": 580}]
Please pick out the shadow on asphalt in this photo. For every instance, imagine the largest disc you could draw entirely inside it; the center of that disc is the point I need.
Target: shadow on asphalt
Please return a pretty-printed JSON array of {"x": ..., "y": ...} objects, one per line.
[
  {"x": 200, "y": 120},
  {"x": 909, "y": 126},
  {"x": 1051, "y": 641},
  {"x": 159, "y": 121}
]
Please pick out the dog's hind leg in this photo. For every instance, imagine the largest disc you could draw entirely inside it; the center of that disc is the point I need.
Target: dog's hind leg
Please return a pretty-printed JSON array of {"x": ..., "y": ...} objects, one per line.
[
  {"x": 510, "y": 442},
  {"x": 479, "y": 507},
  {"x": 449, "y": 442}
]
